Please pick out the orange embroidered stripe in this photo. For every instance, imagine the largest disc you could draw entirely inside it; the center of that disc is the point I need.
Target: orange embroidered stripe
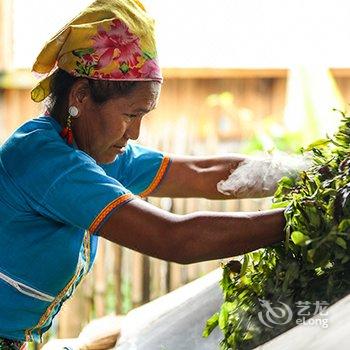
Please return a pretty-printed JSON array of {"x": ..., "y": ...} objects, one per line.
[
  {"x": 108, "y": 209},
  {"x": 161, "y": 171},
  {"x": 46, "y": 315}
]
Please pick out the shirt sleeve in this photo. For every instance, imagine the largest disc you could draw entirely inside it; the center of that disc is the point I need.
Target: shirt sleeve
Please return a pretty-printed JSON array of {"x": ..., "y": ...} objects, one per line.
[
  {"x": 139, "y": 169},
  {"x": 64, "y": 184}
]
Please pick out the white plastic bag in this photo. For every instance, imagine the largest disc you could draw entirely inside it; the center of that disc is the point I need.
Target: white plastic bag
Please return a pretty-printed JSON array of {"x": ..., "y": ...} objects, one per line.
[{"x": 258, "y": 177}]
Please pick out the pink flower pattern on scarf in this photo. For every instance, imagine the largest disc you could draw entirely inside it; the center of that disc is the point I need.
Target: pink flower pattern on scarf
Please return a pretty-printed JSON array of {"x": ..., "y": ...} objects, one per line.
[
  {"x": 121, "y": 46},
  {"x": 118, "y": 40}
]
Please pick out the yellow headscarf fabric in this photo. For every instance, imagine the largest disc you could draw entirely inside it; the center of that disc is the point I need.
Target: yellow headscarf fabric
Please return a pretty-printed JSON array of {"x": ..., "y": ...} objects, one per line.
[{"x": 109, "y": 40}]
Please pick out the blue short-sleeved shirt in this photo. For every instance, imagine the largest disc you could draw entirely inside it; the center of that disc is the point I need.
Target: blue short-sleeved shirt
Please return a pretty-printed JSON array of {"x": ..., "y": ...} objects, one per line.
[{"x": 54, "y": 199}]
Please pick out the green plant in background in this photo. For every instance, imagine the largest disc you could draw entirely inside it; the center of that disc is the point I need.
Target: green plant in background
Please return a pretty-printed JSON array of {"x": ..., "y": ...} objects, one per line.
[
  {"x": 111, "y": 298},
  {"x": 311, "y": 267},
  {"x": 271, "y": 135},
  {"x": 127, "y": 298}
]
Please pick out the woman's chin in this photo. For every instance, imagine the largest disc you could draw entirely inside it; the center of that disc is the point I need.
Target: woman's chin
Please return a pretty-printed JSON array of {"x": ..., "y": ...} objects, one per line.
[
  {"x": 108, "y": 157},
  {"x": 106, "y": 160}
]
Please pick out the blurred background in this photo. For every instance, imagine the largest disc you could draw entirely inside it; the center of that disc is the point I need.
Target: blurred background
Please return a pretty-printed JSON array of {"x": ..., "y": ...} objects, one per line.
[{"x": 240, "y": 76}]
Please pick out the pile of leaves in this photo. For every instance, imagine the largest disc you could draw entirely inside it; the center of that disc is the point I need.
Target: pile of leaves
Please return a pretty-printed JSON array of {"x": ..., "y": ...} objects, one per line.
[{"x": 312, "y": 265}]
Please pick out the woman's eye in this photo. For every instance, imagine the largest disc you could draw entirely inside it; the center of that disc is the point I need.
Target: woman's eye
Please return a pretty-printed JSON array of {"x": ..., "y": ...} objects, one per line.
[{"x": 131, "y": 115}]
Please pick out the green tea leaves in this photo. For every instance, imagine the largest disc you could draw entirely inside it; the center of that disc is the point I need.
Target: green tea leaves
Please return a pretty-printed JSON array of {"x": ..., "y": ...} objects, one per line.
[
  {"x": 311, "y": 265},
  {"x": 318, "y": 144},
  {"x": 211, "y": 325},
  {"x": 299, "y": 238},
  {"x": 341, "y": 242}
]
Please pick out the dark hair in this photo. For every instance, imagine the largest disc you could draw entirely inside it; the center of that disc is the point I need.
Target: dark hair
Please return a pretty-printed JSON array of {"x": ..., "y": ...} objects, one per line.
[{"x": 100, "y": 90}]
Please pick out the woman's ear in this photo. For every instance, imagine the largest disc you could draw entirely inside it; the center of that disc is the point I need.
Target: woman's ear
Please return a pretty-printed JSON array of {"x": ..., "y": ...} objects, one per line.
[{"x": 79, "y": 93}]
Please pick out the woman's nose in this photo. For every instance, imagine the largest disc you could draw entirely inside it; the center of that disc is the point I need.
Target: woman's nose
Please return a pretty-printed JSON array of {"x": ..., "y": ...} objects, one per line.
[{"x": 133, "y": 130}]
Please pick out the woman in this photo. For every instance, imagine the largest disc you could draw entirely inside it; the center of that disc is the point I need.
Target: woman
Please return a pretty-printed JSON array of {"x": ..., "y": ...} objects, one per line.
[{"x": 71, "y": 175}]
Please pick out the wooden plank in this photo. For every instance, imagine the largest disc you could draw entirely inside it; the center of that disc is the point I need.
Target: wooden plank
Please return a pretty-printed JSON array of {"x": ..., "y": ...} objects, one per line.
[
  {"x": 155, "y": 278},
  {"x": 341, "y": 72},
  {"x": 118, "y": 256},
  {"x": 222, "y": 73},
  {"x": 136, "y": 283},
  {"x": 205, "y": 73},
  {"x": 23, "y": 78},
  {"x": 175, "y": 276},
  {"x": 278, "y": 99},
  {"x": 100, "y": 280},
  {"x": 146, "y": 279},
  {"x": 344, "y": 87}
]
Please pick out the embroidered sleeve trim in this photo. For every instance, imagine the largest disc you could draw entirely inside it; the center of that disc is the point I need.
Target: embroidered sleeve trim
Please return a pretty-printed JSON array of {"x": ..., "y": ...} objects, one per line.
[
  {"x": 112, "y": 205},
  {"x": 157, "y": 179}
]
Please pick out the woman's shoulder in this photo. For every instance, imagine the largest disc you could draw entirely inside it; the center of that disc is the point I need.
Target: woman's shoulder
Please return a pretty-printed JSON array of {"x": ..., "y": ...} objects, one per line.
[
  {"x": 35, "y": 144},
  {"x": 31, "y": 132}
]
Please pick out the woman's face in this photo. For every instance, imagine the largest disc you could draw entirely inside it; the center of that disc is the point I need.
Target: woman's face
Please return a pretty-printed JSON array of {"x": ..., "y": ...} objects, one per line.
[{"x": 103, "y": 130}]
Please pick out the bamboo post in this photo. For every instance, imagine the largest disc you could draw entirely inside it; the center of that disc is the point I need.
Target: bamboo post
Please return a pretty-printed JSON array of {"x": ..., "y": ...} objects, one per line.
[
  {"x": 137, "y": 270},
  {"x": 156, "y": 278},
  {"x": 100, "y": 277},
  {"x": 118, "y": 255},
  {"x": 175, "y": 276},
  {"x": 146, "y": 279},
  {"x": 155, "y": 271},
  {"x": 168, "y": 277}
]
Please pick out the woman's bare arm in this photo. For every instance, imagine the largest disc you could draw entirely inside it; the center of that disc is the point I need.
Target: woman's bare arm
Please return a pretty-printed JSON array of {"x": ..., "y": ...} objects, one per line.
[{"x": 194, "y": 237}]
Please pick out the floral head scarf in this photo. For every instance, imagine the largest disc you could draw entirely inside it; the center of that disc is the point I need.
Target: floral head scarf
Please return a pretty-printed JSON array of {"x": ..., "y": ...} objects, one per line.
[{"x": 109, "y": 40}]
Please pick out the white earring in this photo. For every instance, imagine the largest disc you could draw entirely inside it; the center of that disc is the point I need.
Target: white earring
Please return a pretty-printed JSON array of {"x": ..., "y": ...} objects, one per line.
[{"x": 73, "y": 111}]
